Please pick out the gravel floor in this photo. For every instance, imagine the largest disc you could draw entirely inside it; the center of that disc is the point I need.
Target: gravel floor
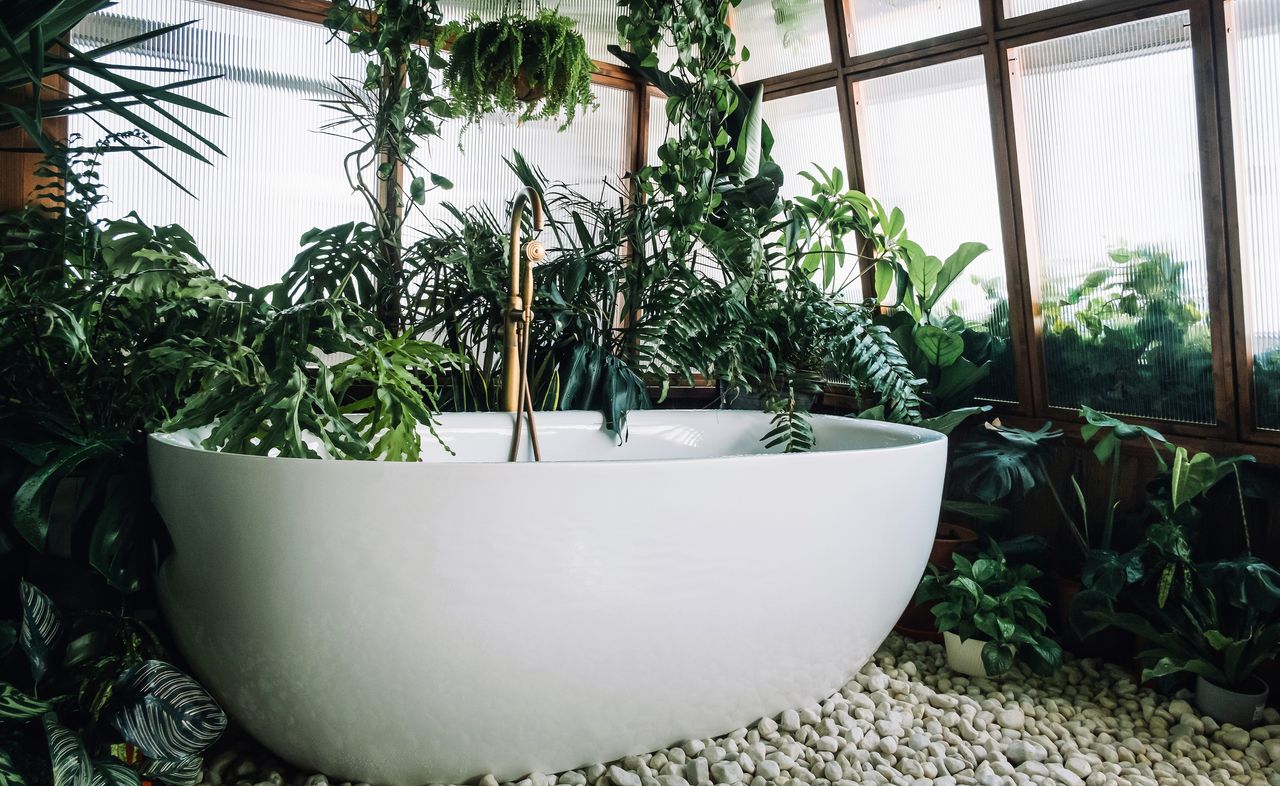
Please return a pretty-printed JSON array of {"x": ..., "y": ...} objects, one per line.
[{"x": 907, "y": 720}]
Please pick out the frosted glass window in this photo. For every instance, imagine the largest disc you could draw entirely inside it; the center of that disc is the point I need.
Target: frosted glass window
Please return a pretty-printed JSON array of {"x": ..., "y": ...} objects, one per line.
[
  {"x": 1255, "y": 100},
  {"x": 782, "y": 36},
  {"x": 806, "y": 131},
  {"x": 1107, "y": 138},
  {"x": 590, "y": 156},
  {"x": 1014, "y": 8},
  {"x": 280, "y": 176},
  {"x": 926, "y": 144},
  {"x": 597, "y": 19},
  {"x": 884, "y": 24}
]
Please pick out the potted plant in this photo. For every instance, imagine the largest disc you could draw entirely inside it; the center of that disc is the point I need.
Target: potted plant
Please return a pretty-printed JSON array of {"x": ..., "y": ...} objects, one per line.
[
  {"x": 533, "y": 67},
  {"x": 1218, "y": 620},
  {"x": 989, "y": 615}
]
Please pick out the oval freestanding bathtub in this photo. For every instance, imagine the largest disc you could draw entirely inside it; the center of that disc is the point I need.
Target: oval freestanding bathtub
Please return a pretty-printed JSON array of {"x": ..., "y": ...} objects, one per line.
[{"x": 405, "y": 623}]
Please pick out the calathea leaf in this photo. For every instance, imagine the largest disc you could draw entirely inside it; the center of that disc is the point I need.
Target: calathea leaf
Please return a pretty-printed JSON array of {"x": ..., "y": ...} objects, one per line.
[
  {"x": 114, "y": 773},
  {"x": 175, "y": 772},
  {"x": 16, "y": 705},
  {"x": 67, "y": 756},
  {"x": 9, "y": 775},
  {"x": 165, "y": 713},
  {"x": 41, "y": 628}
]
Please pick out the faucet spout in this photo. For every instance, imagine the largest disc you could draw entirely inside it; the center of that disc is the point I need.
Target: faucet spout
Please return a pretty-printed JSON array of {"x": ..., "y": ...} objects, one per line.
[{"x": 520, "y": 299}]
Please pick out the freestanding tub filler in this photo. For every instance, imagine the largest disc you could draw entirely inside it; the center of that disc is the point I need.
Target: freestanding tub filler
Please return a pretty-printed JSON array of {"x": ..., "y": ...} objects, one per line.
[{"x": 405, "y": 623}]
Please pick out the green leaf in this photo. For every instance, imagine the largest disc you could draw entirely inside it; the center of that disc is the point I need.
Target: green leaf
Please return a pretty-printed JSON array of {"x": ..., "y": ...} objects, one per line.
[
  {"x": 114, "y": 773},
  {"x": 175, "y": 772},
  {"x": 951, "y": 269},
  {"x": 16, "y": 705},
  {"x": 924, "y": 271},
  {"x": 41, "y": 628},
  {"x": 996, "y": 658},
  {"x": 67, "y": 756},
  {"x": 9, "y": 775},
  {"x": 165, "y": 713},
  {"x": 939, "y": 346}
]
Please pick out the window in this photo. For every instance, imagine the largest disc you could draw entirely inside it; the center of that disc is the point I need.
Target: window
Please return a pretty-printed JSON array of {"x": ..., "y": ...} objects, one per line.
[
  {"x": 1014, "y": 8},
  {"x": 806, "y": 132},
  {"x": 884, "y": 24},
  {"x": 659, "y": 127},
  {"x": 596, "y": 148},
  {"x": 926, "y": 144},
  {"x": 1114, "y": 218},
  {"x": 781, "y": 36},
  {"x": 281, "y": 176},
  {"x": 1256, "y": 103}
]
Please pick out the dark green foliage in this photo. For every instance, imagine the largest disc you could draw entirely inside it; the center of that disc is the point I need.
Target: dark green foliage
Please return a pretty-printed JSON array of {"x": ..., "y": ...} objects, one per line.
[
  {"x": 1130, "y": 336},
  {"x": 100, "y": 688},
  {"x": 992, "y": 600},
  {"x": 534, "y": 67},
  {"x": 35, "y": 48},
  {"x": 1000, "y": 461}
]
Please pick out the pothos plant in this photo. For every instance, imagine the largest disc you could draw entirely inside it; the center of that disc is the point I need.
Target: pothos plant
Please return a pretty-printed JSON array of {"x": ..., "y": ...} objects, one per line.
[
  {"x": 95, "y": 706},
  {"x": 992, "y": 600},
  {"x": 534, "y": 67}
]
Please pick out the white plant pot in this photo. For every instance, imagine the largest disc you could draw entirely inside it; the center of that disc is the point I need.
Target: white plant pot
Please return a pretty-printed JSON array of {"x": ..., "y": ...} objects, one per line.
[
  {"x": 1229, "y": 706},
  {"x": 964, "y": 655}
]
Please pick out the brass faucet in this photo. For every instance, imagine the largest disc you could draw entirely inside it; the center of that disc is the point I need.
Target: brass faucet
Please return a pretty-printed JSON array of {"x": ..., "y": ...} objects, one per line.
[{"x": 516, "y": 395}]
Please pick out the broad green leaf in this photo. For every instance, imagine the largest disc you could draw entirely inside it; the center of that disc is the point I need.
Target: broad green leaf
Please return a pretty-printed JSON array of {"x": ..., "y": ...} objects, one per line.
[
  {"x": 41, "y": 628},
  {"x": 940, "y": 346},
  {"x": 165, "y": 713},
  {"x": 67, "y": 755},
  {"x": 9, "y": 775},
  {"x": 951, "y": 269},
  {"x": 16, "y": 705}
]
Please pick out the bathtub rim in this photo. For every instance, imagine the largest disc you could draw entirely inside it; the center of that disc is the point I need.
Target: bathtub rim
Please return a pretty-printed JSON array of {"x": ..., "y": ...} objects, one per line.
[{"x": 916, "y": 437}]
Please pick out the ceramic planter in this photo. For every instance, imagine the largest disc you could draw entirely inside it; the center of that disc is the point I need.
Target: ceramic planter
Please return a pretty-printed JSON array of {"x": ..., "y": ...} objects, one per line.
[
  {"x": 964, "y": 655},
  {"x": 1225, "y": 705}
]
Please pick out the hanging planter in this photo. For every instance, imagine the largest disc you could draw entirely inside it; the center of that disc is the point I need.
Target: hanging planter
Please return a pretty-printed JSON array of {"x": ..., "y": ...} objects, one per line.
[{"x": 534, "y": 68}]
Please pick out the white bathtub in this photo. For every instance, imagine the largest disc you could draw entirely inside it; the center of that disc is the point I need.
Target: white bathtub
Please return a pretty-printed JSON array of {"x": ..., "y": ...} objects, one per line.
[{"x": 411, "y": 623}]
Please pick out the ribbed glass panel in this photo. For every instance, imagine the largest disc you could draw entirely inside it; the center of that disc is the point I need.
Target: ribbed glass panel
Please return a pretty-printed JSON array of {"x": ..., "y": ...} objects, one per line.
[
  {"x": 589, "y": 155},
  {"x": 597, "y": 19},
  {"x": 280, "y": 176},
  {"x": 658, "y": 127},
  {"x": 1255, "y": 101},
  {"x": 1014, "y": 8},
  {"x": 806, "y": 131},
  {"x": 926, "y": 145},
  {"x": 782, "y": 36},
  {"x": 883, "y": 24},
  {"x": 1108, "y": 141}
]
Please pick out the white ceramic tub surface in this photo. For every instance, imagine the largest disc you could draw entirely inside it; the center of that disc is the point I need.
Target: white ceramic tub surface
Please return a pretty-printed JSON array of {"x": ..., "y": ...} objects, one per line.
[{"x": 431, "y": 622}]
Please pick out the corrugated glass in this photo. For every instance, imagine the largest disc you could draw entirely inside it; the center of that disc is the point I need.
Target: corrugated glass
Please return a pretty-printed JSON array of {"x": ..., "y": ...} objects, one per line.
[
  {"x": 1255, "y": 102},
  {"x": 782, "y": 36},
  {"x": 280, "y": 176},
  {"x": 883, "y": 24},
  {"x": 1014, "y": 8},
  {"x": 927, "y": 149},
  {"x": 1114, "y": 217}
]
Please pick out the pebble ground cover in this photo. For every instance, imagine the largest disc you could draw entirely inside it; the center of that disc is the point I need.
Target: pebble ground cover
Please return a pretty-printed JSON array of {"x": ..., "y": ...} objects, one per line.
[{"x": 907, "y": 720}]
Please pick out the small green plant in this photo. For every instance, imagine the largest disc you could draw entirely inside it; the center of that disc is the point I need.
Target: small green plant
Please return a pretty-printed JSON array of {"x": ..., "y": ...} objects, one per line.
[
  {"x": 92, "y": 686},
  {"x": 534, "y": 67},
  {"x": 992, "y": 600}
]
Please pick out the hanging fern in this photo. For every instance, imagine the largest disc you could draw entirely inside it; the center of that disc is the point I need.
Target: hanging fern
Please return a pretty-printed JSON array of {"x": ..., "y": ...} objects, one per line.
[
  {"x": 791, "y": 427},
  {"x": 868, "y": 357},
  {"x": 536, "y": 68}
]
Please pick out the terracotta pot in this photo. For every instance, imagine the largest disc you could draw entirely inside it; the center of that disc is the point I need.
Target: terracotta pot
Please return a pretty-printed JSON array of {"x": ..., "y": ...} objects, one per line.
[
  {"x": 950, "y": 538},
  {"x": 917, "y": 623}
]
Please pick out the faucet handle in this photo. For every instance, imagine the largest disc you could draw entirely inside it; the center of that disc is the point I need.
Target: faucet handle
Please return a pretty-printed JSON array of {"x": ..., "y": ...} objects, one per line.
[{"x": 534, "y": 251}]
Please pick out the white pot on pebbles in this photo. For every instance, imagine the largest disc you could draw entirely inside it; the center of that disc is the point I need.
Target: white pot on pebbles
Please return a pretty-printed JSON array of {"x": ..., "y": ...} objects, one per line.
[
  {"x": 964, "y": 655},
  {"x": 1241, "y": 708}
]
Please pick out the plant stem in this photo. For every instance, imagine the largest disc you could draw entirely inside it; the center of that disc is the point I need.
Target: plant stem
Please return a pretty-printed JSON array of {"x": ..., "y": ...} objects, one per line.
[
  {"x": 1113, "y": 489},
  {"x": 1071, "y": 522}
]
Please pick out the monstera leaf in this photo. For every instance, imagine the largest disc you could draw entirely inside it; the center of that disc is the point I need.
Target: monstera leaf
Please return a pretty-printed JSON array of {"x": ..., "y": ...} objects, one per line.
[
  {"x": 41, "y": 628},
  {"x": 165, "y": 713}
]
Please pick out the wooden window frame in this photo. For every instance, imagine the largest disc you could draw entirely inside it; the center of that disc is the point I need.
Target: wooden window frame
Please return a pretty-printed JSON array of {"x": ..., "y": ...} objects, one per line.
[{"x": 1236, "y": 428}]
